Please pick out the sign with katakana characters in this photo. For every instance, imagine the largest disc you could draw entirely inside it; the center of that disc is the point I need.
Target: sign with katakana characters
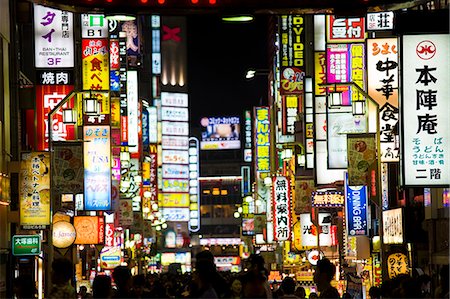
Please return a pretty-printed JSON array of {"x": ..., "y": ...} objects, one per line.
[
  {"x": 397, "y": 263},
  {"x": 55, "y": 77},
  {"x": 281, "y": 198},
  {"x": 345, "y": 30},
  {"x": 53, "y": 38},
  {"x": 382, "y": 74},
  {"x": 292, "y": 61},
  {"x": 393, "y": 226},
  {"x": 95, "y": 64},
  {"x": 34, "y": 194},
  {"x": 94, "y": 26},
  {"x": 425, "y": 109},
  {"x": 309, "y": 230},
  {"x": 26, "y": 245},
  {"x": 176, "y": 214},
  {"x": 90, "y": 229},
  {"x": 378, "y": 21},
  {"x": 97, "y": 168},
  {"x": 320, "y": 73},
  {"x": 47, "y": 97},
  {"x": 291, "y": 106},
  {"x": 262, "y": 139}
]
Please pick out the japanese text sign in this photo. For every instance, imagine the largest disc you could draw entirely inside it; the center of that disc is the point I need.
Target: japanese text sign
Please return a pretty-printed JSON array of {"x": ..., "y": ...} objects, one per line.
[
  {"x": 94, "y": 26},
  {"x": 309, "y": 230},
  {"x": 35, "y": 190},
  {"x": 97, "y": 168},
  {"x": 53, "y": 38},
  {"x": 393, "y": 226},
  {"x": 262, "y": 139},
  {"x": 382, "y": 74},
  {"x": 327, "y": 199},
  {"x": 356, "y": 209},
  {"x": 343, "y": 30},
  {"x": 95, "y": 61},
  {"x": 291, "y": 107},
  {"x": 90, "y": 229},
  {"x": 426, "y": 98},
  {"x": 26, "y": 245},
  {"x": 361, "y": 153},
  {"x": 397, "y": 263},
  {"x": 380, "y": 20},
  {"x": 281, "y": 208}
]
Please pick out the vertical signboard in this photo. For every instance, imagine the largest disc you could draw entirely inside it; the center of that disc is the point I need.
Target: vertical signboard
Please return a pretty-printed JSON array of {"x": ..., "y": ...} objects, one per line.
[
  {"x": 94, "y": 26},
  {"x": 132, "y": 108},
  {"x": 35, "y": 190},
  {"x": 281, "y": 208},
  {"x": 262, "y": 139},
  {"x": 382, "y": 75},
  {"x": 248, "y": 136},
  {"x": 194, "y": 186},
  {"x": 361, "y": 153},
  {"x": 309, "y": 231},
  {"x": 53, "y": 37},
  {"x": 97, "y": 168},
  {"x": 95, "y": 64},
  {"x": 393, "y": 226},
  {"x": 356, "y": 209},
  {"x": 426, "y": 133}
]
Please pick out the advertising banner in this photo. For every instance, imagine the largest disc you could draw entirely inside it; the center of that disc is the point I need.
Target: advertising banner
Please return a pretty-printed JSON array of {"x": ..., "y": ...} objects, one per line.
[
  {"x": 262, "y": 139},
  {"x": 309, "y": 231},
  {"x": 94, "y": 26},
  {"x": 175, "y": 171},
  {"x": 176, "y": 214},
  {"x": 170, "y": 200},
  {"x": 26, "y": 245},
  {"x": 393, "y": 226},
  {"x": 132, "y": 110},
  {"x": 174, "y": 128},
  {"x": 220, "y": 133},
  {"x": 90, "y": 229},
  {"x": 53, "y": 37},
  {"x": 248, "y": 142},
  {"x": 67, "y": 171},
  {"x": 281, "y": 208},
  {"x": 97, "y": 168},
  {"x": 356, "y": 209},
  {"x": 125, "y": 212},
  {"x": 327, "y": 199},
  {"x": 361, "y": 153},
  {"x": 34, "y": 190},
  {"x": 95, "y": 64},
  {"x": 47, "y": 97},
  {"x": 175, "y": 185},
  {"x": 426, "y": 134},
  {"x": 382, "y": 75},
  {"x": 175, "y": 157},
  {"x": 303, "y": 191},
  {"x": 291, "y": 106},
  {"x": 345, "y": 30},
  {"x": 320, "y": 71}
]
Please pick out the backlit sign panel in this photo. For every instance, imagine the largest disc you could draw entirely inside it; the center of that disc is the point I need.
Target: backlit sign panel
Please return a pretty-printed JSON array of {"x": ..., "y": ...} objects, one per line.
[
  {"x": 220, "y": 133},
  {"x": 345, "y": 30},
  {"x": 262, "y": 139},
  {"x": 90, "y": 229},
  {"x": 194, "y": 186},
  {"x": 309, "y": 231},
  {"x": 132, "y": 105},
  {"x": 94, "y": 26},
  {"x": 95, "y": 64},
  {"x": 281, "y": 208},
  {"x": 426, "y": 134},
  {"x": 393, "y": 226},
  {"x": 356, "y": 209},
  {"x": 327, "y": 199}
]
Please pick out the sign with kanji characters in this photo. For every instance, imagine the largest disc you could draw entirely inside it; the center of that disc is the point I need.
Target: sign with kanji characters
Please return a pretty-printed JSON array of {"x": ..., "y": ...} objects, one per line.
[
  {"x": 309, "y": 231},
  {"x": 55, "y": 77},
  {"x": 26, "y": 245},
  {"x": 94, "y": 26},
  {"x": 425, "y": 109},
  {"x": 90, "y": 229},
  {"x": 327, "y": 199},
  {"x": 281, "y": 198},
  {"x": 345, "y": 30},
  {"x": 34, "y": 190},
  {"x": 378, "y": 21},
  {"x": 291, "y": 106},
  {"x": 393, "y": 226},
  {"x": 361, "y": 153},
  {"x": 95, "y": 64},
  {"x": 303, "y": 191},
  {"x": 356, "y": 209},
  {"x": 397, "y": 263},
  {"x": 133, "y": 111},
  {"x": 53, "y": 38},
  {"x": 262, "y": 139},
  {"x": 292, "y": 61},
  {"x": 248, "y": 142},
  {"x": 47, "y": 97},
  {"x": 97, "y": 168},
  {"x": 382, "y": 74}
]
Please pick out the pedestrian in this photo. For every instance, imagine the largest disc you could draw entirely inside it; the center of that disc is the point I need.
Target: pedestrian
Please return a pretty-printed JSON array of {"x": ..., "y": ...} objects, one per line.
[
  {"x": 313, "y": 295},
  {"x": 374, "y": 293},
  {"x": 24, "y": 287},
  {"x": 288, "y": 287},
  {"x": 236, "y": 288},
  {"x": 204, "y": 277},
  {"x": 254, "y": 281},
  {"x": 219, "y": 283},
  {"x": 442, "y": 291},
  {"x": 122, "y": 279},
  {"x": 300, "y": 292},
  {"x": 101, "y": 287},
  {"x": 62, "y": 273},
  {"x": 322, "y": 277},
  {"x": 346, "y": 296},
  {"x": 83, "y": 293}
]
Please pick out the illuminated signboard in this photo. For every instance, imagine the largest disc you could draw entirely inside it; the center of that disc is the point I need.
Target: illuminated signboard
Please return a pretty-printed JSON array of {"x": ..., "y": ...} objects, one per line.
[
  {"x": 176, "y": 214},
  {"x": 220, "y": 133},
  {"x": 174, "y": 113},
  {"x": 393, "y": 226},
  {"x": 343, "y": 30},
  {"x": 90, "y": 229},
  {"x": 175, "y": 128},
  {"x": 175, "y": 171},
  {"x": 262, "y": 139},
  {"x": 64, "y": 234},
  {"x": 309, "y": 230},
  {"x": 94, "y": 26},
  {"x": 169, "y": 200},
  {"x": 377, "y": 21},
  {"x": 53, "y": 37},
  {"x": 397, "y": 263},
  {"x": 327, "y": 199},
  {"x": 356, "y": 209},
  {"x": 175, "y": 157},
  {"x": 55, "y": 77},
  {"x": 291, "y": 106},
  {"x": 132, "y": 105},
  {"x": 281, "y": 208},
  {"x": 110, "y": 257},
  {"x": 34, "y": 191},
  {"x": 426, "y": 134},
  {"x": 153, "y": 125},
  {"x": 382, "y": 74},
  {"x": 194, "y": 186},
  {"x": 175, "y": 142},
  {"x": 97, "y": 168},
  {"x": 248, "y": 137},
  {"x": 175, "y": 185},
  {"x": 95, "y": 64},
  {"x": 47, "y": 97},
  {"x": 174, "y": 99}
]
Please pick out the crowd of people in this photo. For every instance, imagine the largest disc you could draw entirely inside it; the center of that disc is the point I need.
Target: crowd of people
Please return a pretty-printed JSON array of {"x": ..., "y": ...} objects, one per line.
[{"x": 207, "y": 282}]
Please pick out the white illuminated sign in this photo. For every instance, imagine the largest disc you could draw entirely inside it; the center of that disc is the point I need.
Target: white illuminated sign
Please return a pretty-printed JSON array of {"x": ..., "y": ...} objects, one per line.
[
  {"x": 174, "y": 113},
  {"x": 393, "y": 226},
  {"x": 175, "y": 128},
  {"x": 132, "y": 107},
  {"x": 94, "y": 26},
  {"x": 380, "y": 20},
  {"x": 174, "y": 99},
  {"x": 281, "y": 208},
  {"x": 309, "y": 231},
  {"x": 194, "y": 186}
]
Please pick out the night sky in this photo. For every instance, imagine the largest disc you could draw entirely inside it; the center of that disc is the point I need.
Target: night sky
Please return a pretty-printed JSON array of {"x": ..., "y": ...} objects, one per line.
[{"x": 219, "y": 55}]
